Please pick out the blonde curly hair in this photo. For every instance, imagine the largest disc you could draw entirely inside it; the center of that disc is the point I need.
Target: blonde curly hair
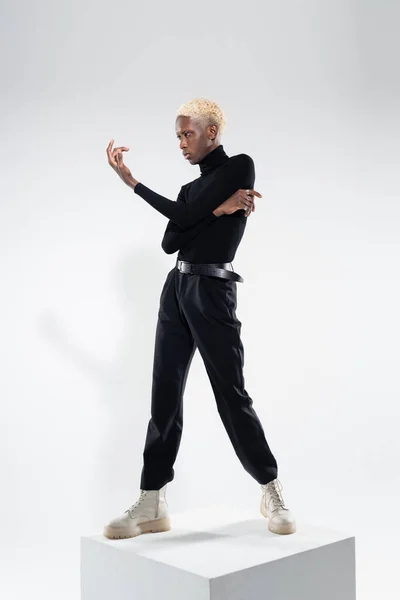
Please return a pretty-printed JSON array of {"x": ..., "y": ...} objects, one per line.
[{"x": 202, "y": 108}]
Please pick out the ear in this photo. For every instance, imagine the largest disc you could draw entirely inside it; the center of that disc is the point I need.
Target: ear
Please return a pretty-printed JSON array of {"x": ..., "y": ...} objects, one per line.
[{"x": 212, "y": 131}]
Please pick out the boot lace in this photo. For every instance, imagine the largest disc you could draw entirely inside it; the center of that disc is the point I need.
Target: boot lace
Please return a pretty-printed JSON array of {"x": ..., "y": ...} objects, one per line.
[
  {"x": 136, "y": 504},
  {"x": 274, "y": 490}
]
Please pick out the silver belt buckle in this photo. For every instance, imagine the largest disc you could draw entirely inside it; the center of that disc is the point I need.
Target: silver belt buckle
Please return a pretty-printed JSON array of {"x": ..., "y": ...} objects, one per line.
[{"x": 181, "y": 268}]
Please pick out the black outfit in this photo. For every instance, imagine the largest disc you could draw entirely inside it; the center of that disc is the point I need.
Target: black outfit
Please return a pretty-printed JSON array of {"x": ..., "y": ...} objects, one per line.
[{"x": 199, "y": 311}]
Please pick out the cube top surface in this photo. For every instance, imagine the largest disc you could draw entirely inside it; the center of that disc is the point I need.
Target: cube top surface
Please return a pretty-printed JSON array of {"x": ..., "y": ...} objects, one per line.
[{"x": 217, "y": 541}]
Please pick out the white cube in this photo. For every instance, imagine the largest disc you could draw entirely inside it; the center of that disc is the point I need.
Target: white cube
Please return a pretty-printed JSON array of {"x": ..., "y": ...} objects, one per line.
[{"x": 220, "y": 554}]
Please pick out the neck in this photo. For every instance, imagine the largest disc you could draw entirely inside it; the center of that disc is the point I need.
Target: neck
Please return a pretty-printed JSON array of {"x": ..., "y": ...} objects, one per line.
[{"x": 213, "y": 159}]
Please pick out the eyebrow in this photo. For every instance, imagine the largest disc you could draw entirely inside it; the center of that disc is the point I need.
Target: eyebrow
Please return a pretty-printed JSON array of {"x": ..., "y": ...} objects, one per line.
[{"x": 186, "y": 131}]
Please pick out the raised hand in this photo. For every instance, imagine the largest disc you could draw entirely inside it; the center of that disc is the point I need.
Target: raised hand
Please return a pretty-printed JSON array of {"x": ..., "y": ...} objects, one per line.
[{"x": 116, "y": 161}]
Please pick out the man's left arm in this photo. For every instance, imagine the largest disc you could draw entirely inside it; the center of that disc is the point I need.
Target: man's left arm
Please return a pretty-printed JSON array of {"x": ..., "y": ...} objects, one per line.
[{"x": 230, "y": 177}]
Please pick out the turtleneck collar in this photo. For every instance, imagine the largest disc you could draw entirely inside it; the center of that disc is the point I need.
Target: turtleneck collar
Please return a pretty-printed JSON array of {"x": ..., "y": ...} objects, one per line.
[{"x": 213, "y": 159}]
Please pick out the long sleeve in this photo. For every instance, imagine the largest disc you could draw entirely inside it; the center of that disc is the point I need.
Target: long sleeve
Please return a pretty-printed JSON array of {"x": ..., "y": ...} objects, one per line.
[
  {"x": 176, "y": 237},
  {"x": 229, "y": 178}
]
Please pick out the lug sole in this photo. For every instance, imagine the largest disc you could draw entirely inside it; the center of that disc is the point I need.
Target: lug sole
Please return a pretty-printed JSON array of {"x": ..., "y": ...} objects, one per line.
[{"x": 156, "y": 526}]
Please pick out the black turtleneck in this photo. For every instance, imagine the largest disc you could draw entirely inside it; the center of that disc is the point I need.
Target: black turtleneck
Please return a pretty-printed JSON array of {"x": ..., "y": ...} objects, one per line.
[{"x": 193, "y": 229}]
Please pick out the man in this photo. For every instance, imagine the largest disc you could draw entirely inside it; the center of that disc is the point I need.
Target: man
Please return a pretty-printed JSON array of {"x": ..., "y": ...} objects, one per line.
[{"x": 198, "y": 310}]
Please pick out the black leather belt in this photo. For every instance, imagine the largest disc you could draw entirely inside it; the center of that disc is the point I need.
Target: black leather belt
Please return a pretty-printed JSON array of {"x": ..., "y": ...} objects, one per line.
[{"x": 212, "y": 269}]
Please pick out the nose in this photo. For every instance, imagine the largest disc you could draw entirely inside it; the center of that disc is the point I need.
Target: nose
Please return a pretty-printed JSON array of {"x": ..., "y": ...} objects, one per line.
[{"x": 183, "y": 144}]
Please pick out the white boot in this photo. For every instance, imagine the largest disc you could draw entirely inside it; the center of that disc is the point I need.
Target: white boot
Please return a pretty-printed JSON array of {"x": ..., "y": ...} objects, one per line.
[
  {"x": 149, "y": 514},
  {"x": 280, "y": 519}
]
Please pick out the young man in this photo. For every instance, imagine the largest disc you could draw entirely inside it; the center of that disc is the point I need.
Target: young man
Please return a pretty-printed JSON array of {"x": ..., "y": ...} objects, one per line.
[{"x": 198, "y": 310}]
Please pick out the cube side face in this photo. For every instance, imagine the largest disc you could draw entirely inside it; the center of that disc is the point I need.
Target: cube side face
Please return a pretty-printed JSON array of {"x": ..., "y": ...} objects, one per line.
[
  {"x": 99, "y": 572},
  {"x": 110, "y": 573},
  {"x": 323, "y": 573}
]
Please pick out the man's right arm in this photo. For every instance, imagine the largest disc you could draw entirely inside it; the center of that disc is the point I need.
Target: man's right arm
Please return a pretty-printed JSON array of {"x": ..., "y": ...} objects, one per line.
[
  {"x": 176, "y": 237},
  {"x": 230, "y": 177}
]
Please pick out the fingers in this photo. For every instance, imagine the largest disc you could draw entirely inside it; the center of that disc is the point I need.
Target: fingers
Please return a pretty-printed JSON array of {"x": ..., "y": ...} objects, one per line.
[
  {"x": 108, "y": 151},
  {"x": 120, "y": 149},
  {"x": 118, "y": 152},
  {"x": 253, "y": 193},
  {"x": 249, "y": 209},
  {"x": 115, "y": 156},
  {"x": 247, "y": 197},
  {"x": 112, "y": 160}
]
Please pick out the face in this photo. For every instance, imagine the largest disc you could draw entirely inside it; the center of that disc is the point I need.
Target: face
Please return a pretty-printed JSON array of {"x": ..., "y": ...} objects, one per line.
[{"x": 194, "y": 138}]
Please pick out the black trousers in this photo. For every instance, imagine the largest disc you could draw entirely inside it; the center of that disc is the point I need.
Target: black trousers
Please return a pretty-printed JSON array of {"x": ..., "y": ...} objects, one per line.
[{"x": 198, "y": 311}]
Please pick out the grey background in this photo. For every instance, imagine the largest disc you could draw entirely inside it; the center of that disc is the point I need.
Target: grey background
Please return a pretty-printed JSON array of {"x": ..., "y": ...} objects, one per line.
[{"x": 311, "y": 91}]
